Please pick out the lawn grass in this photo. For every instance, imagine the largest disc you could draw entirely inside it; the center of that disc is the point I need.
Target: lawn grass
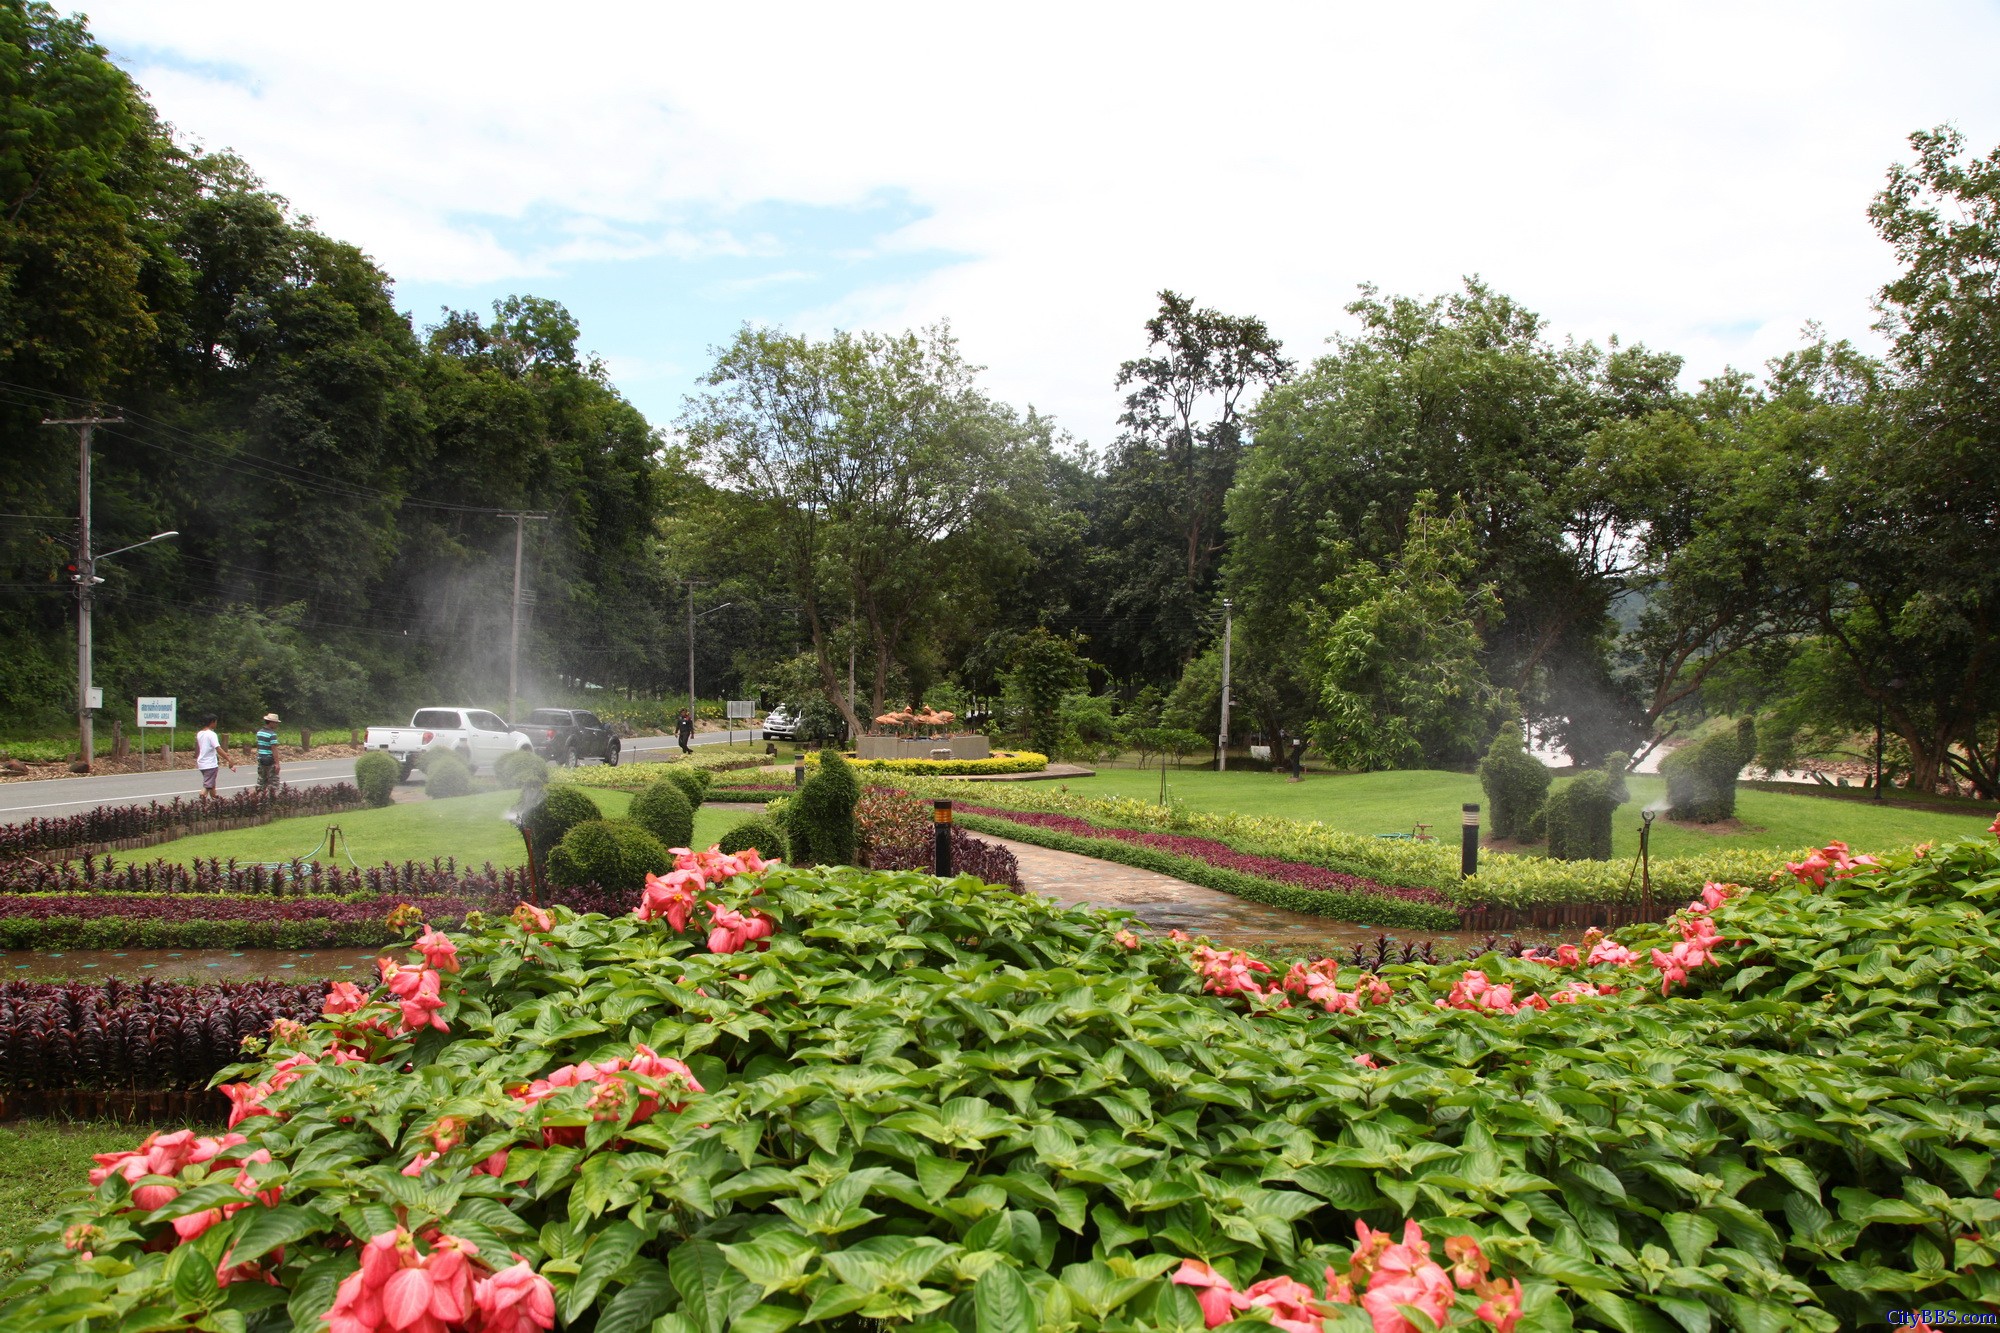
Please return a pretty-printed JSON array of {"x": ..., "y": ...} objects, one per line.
[
  {"x": 42, "y": 1162},
  {"x": 1395, "y": 802},
  {"x": 471, "y": 828}
]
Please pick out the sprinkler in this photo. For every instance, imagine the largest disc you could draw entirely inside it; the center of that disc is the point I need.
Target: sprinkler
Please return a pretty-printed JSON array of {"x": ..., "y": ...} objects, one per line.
[
  {"x": 532, "y": 796},
  {"x": 1646, "y": 818}
]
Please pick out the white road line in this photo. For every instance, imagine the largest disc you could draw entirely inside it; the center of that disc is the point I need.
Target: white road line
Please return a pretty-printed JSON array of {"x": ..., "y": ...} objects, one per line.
[{"x": 244, "y": 785}]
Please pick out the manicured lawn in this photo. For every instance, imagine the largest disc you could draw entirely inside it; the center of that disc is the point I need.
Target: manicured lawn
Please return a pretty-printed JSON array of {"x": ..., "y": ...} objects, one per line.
[
  {"x": 471, "y": 828},
  {"x": 41, "y": 1161},
  {"x": 1394, "y": 802}
]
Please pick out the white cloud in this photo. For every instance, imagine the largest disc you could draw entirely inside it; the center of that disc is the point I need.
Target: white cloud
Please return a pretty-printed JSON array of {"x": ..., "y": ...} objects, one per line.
[{"x": 1692, "y": 176}]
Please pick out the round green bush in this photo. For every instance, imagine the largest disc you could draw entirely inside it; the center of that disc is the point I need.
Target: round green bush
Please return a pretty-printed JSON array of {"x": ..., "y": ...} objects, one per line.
[
  {"x": 562, "y": 809},
  {"x": 377, "y": 774},
  {"x": 664, "y": 812},
  {"x": 445, "y": 775},
  {"x": 693, "y": 783},
  {"x": 517, "y": 768},
  {"x": 613, "y": 854},
  {"x": 765, "y": 837}
]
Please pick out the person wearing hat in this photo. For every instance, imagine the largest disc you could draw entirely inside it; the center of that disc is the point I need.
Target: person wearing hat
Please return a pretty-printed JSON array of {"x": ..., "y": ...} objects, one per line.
[{"x": 267, "y": 753}]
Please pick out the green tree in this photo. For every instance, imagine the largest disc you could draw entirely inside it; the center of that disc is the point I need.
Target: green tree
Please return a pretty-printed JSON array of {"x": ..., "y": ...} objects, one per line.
[
  {"x": 1044, "y": 669},
  {"x": 1401, "y": 679}
]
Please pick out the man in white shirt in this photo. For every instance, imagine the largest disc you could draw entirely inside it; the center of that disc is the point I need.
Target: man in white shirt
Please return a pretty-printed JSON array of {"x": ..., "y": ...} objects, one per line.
[{"x": 209, "y": 756}]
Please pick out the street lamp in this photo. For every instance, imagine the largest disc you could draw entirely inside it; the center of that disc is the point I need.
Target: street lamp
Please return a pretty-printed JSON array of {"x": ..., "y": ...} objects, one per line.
[
  {"x": 1894, "y": 683},
  {"x": 86, "y": 579}
]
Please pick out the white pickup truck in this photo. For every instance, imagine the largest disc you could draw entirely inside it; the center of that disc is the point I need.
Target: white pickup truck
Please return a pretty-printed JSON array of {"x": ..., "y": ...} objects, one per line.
[{"x": 479, "y": 737}]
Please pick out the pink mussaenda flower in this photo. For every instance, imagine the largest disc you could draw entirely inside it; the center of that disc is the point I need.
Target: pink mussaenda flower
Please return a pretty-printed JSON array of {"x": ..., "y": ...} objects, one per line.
[
  {"x": 438, "y": 950},
  {"x": 1217, "y": 1296},
  {"x": 420, "y": 1163},
  {"x": 1290, "y": 1302},
  {"x": 1126, "y": 939},
  {"x": 532, "y": 919},
  {"x": 515, "y": 1300},
  {"x": 1612, "y": 952},
  {"x": 734, "y": 931},
  {"x": 343, "y": 997}
]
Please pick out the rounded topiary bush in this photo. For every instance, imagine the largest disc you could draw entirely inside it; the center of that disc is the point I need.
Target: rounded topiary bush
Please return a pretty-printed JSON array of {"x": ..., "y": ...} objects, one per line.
[
  {"x": 613, "y": 854},
  {"x": 562, "y": 809},
  {"x": 517, "y": 768},
  {"x": 1701, "y": 777},
  {"x": 664, "y": 812},
  {"x": 445, "y": 775},
  {"x": 758, "y": 834},
  {"x": 693, "y": 783},
  {"x": 377, "y": 774}
]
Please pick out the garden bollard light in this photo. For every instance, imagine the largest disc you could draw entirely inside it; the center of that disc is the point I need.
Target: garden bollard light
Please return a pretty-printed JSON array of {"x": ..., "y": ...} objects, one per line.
[
  {"x": 941, "y": 852},
  {"x": 799, "y": 774},
  {"x": 1468, "y": 864}
]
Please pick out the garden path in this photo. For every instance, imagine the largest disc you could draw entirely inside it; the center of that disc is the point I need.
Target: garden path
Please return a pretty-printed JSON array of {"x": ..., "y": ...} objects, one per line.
[{"x": 1165, "y": 903}]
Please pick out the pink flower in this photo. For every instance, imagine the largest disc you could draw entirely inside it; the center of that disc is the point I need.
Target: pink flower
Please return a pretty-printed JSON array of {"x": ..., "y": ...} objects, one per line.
[
  {"x": 1502, "y": 1306},
  {"x": 733, "y": 931},
  {"x": 1612, "y": 952},
  {"x": 398, "y": 1290},
  {"x": 1366, "y": 1061},
  {"x": 419, "y": 995},
  {"x": 495, "y": 1166},
  {"x": 533, "y": 919},
  {"x": 1219, "y": 1300},
  {"x": 1405, "y": 1275},
  {"x": 438, "y": 950},
  {"x": 1994, "y": 827},
  {"x": 420, "y": 1163},
  {"x": 671, "y": 896},
  {"x": 344, "y": 997},
  {"x": 1126, "y": 939},
  {"x": 1290, "y": 1302},
  {"x": 515, "y": 1300}
]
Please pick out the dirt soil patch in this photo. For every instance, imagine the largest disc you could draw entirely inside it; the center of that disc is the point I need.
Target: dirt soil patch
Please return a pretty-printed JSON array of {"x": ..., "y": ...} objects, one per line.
[{"x": 1720, "y": 829}]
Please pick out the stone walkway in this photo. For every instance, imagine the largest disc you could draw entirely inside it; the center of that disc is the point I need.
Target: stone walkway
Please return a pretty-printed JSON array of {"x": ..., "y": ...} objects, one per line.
[{"x": 1165, "y": 903}]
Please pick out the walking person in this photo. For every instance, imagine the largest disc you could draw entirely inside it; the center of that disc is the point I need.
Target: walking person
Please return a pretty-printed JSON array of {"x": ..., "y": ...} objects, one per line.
[
  {"x": 684, "y": 731},
  {"x": 209, "y": 756},
  {"x": 267, "y": 753}
]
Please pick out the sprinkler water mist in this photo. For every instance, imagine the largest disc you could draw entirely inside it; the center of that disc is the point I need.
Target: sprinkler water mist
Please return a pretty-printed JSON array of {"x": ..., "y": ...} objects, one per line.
[{"x": 532, "y": 796}]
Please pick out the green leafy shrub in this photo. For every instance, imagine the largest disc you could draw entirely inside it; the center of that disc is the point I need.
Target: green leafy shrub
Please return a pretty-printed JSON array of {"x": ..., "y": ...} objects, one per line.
[
  {"x": 562, "y": 808},
  {"x": 613, "y": 854},
  {"x": 1003, "y": 1112},
  {"x": 518, "y": 768},
  {"x": 1001, "y": 761},
  {"x": 377, "y": 774},
  {"x": 1576, "y": 817},
  {"x": 761, "y": 834},
  {"x": 1701, "y": 777},
  {"x": 1516, "y": 783},
  {"x": 819, "y": 821},
  {"x": 663, "y": 811},
  {"x": 693, "y": 783},
  {"x": 445, "y": 774}
]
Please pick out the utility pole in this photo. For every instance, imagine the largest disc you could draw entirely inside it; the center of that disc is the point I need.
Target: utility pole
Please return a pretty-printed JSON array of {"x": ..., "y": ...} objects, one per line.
[
  {"x": 521, "y": 522},
  {"x": 86, "y": 578},
  {"x": 692, "y": 585},
  {"x": 1222, "y": 740}
]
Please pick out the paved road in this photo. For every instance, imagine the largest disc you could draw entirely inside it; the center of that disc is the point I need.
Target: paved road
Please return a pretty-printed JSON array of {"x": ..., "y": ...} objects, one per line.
[{"x": 67, "y": 796}]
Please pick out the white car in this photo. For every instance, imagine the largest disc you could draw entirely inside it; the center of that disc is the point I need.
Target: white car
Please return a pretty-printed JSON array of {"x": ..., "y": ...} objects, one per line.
[
  {"x": 781, "y": 724},
  {"x": 475, "y": 735}
]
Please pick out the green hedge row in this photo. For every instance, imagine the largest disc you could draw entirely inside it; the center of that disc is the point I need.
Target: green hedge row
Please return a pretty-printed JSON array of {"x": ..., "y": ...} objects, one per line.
[
  {"x": 73, "y": 932},
  {"x": 1365, "y": 909}
]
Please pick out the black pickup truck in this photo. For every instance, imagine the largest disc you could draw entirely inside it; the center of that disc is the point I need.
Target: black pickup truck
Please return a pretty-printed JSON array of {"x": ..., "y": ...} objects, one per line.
[{"x": 569, "y": 736}]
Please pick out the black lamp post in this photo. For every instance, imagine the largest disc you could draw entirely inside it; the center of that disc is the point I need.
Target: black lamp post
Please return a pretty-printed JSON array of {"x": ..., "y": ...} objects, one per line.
[{"x": 1894, "y": 684}]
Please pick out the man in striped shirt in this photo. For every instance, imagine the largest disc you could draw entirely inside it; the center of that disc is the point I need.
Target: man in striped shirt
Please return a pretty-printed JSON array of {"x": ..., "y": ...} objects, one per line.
[{"x": 267, "y": 753}]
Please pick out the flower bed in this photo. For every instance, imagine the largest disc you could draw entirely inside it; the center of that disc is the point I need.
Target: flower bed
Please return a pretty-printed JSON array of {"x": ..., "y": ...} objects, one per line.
[
  {"x": 1002, "y": 761},
  {"x": 1297, "y": 886},
  {"x": 857, "y": 1099},
  {"x": 206, "y": 921},
  {"x": 637, "y": 773},
  {"x": 121, "y": 827},
  {"x": 411, "y": 878},
  {"x": 1504, "y": 879},
  {"x": 138, "y": 1036}
]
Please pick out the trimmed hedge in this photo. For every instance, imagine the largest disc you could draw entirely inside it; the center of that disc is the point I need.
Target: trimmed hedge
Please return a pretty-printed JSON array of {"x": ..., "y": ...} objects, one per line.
[
  {"x": 1365, "y": 909},
  {"x": 664, "y": 811},
  {"x": 517, "y": 768},
  {"x": 693, "y": 783},
  {"x": 563, "y": 807},
  {"x": 759, "y": 833},
  {"x": 1515, "y": 783},
  {"x": 613, "y": 854},
  {"x": 377, "y": 774},
  {"x": 1577, "y": 815},
  {"x": 445, "y": 775},
  {"x": 819, "y": 822},
  {"x": 1701, "y": 778},
  {"x": 1003, "y": 761}
]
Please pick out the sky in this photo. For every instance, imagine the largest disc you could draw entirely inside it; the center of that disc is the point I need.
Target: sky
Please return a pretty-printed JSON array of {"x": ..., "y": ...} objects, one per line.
[{"x": 1692, "y": 176}]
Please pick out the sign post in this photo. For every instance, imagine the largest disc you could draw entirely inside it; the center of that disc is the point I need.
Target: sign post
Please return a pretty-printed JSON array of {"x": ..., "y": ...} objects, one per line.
[
  {"x": 745, "y": 708},
  {"x": 157, "y": 712}
]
